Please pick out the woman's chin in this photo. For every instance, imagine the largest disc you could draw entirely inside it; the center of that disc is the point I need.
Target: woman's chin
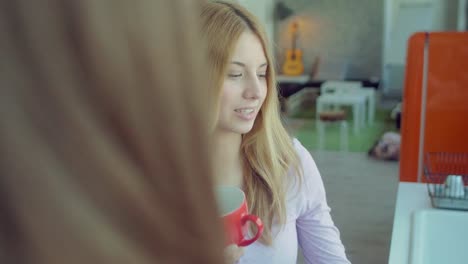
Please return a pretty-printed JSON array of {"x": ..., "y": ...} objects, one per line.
[
  {"x": 237, "y": 127},
  {"x": 242, "y": 129}
]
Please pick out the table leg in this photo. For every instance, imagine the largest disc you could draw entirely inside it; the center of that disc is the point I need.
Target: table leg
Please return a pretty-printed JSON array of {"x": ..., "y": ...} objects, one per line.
[
  {"x": 356, "y": 117},
  {"x": 318, "y": 108},
  {"x": 320, "y": 134},
  {"x": 364, "y": 113},
  {"x": 371, "y": 114}
]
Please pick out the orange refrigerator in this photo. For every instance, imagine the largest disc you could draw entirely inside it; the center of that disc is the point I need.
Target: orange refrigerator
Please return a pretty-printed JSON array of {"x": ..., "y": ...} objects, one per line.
[{"x": 435, "y": 99}]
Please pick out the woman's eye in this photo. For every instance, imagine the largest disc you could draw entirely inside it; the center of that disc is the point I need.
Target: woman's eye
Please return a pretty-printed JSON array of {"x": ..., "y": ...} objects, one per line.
[
  {"x": 234, "y": 75},
  {"x": 262, "y": 75}
]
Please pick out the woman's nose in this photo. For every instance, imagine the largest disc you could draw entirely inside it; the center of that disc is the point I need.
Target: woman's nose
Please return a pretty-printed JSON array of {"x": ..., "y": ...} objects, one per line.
[{"x": 253, "y": 89}]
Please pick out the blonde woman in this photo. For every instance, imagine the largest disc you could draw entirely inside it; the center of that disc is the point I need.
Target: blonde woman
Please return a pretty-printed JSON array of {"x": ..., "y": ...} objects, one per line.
[
  {"x": 103, "y": 134},
  {"x": 253, "y": 150}
]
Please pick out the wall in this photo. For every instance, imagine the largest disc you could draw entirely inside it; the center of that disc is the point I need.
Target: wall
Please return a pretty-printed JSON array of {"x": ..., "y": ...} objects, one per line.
[
  {"x": 418, "y": 15},
  {"x": 462, "y": 23},
  {"x": 263, "y": 9},
  {"x": 340, "y": 32}
]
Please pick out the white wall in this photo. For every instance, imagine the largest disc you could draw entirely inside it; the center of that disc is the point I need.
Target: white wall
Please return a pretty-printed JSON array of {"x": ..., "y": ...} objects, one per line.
[
  {"x": 401, "y": 19},
  {"x": 263, "y": 9},
  {"x": 462, "y": 13}
]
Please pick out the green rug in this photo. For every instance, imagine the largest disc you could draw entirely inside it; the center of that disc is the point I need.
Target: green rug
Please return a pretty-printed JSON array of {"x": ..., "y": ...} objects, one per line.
[{"x": 361, "y": 142}]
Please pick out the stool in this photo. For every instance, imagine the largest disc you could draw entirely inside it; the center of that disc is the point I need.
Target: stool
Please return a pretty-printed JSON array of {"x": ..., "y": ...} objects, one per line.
[
  {"x": 332, "y": 117},
  {"x": 356, "y": 101}
]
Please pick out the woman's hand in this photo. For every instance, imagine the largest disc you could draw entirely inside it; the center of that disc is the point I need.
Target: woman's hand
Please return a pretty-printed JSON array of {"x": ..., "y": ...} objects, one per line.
[{"x": 232, "y": 254}]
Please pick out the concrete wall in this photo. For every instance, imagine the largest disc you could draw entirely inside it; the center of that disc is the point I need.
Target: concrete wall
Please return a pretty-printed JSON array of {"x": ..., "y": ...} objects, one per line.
[{"x": 346, "y": 35}]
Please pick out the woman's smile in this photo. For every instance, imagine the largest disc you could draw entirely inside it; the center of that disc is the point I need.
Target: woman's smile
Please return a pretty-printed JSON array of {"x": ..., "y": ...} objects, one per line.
[{"x": 246, "y": 113}]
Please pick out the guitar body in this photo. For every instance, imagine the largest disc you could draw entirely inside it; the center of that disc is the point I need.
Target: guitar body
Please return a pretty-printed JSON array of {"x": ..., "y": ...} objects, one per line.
[{"x": 293, "y": 64}]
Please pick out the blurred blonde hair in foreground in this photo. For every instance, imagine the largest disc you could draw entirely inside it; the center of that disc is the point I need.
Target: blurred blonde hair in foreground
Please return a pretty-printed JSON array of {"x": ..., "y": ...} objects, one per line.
[{"x": 103, "y": 134}]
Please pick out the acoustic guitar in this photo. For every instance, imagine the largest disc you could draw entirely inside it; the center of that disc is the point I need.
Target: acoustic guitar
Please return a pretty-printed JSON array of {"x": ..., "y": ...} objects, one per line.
[{"x": 293, "y": 64}]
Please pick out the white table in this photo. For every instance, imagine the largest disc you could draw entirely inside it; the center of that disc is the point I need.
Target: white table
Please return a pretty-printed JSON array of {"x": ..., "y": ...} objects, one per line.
[
  {"x": 410, "y": 197},
  {"x": 352, "y": 87},
  {"x": 356, "y": 101},
  {"x": 370, "y": 95}
]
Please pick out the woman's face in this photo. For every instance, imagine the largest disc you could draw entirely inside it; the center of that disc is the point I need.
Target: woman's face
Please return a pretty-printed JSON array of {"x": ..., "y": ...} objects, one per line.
[{"x": 245, "y": 86}]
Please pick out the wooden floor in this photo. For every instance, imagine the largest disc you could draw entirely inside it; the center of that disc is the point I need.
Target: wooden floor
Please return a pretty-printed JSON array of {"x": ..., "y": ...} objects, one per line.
[{"x": 361, "y": 193}]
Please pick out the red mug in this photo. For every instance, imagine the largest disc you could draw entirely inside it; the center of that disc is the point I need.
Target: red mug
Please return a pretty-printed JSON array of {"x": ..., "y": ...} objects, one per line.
[{"x": 235, "y": 216}]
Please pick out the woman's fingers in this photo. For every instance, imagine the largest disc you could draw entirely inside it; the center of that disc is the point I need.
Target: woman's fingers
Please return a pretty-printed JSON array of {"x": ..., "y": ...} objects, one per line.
[{"x": 233, "y": 253}]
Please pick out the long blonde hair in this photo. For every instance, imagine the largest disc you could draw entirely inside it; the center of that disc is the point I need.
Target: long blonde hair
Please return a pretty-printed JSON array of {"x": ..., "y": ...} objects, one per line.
[
  {"x": 267, "y": 148},
  {"x": 104, "y": 135}
]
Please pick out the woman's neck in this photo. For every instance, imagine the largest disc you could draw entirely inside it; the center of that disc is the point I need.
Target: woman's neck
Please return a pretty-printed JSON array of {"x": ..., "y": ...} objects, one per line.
[{"x": 228, "y": 159}]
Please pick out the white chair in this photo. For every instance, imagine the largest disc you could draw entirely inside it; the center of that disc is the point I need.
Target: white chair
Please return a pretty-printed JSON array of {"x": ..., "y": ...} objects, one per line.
[
  {"x": 355, "y": 88},
  {"x": 334, "y": 117},
  {"x": 334, "y": 94},
  {"x": 299, "y": 99},
  {"x": 343, "y": 86}
]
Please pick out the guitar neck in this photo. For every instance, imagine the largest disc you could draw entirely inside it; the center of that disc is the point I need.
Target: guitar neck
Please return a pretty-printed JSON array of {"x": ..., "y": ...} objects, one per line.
[
  {"x": 294, "y": 40},
  {"x": 294, "y": 36}
]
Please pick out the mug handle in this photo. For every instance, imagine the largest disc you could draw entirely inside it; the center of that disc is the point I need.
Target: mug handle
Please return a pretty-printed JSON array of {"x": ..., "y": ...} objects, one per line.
[{"x": 258, "y": 223}]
